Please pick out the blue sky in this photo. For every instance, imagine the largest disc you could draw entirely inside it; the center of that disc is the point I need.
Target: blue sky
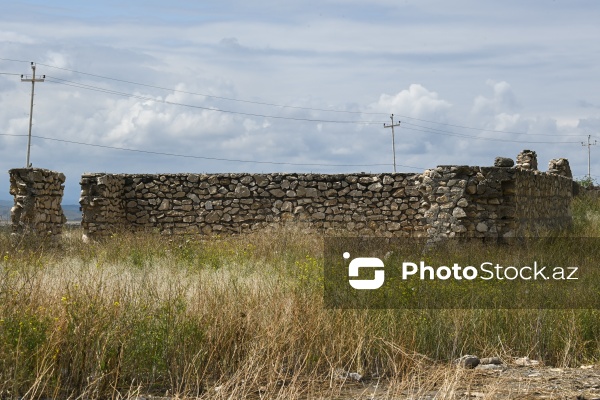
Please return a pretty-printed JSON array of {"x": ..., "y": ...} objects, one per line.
[{"x": 256, "y": 81}]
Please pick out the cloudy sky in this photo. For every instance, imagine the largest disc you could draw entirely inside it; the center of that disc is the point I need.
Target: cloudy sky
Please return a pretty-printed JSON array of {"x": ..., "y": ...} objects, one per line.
[{"x": 296, "y": 85}]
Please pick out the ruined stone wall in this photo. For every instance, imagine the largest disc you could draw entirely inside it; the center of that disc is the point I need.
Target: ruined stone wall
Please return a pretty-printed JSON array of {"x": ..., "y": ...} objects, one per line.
[
  {"x": 446, "y": 201},
  {"x": 470, "y": 201},
  {"x": 102, "y": 204},
  {"x": 494, "y": 201},
  {"x": 370, "y": 204},
  {"x": 542, "y": 200},
  {"x": 37, "y": 201}
]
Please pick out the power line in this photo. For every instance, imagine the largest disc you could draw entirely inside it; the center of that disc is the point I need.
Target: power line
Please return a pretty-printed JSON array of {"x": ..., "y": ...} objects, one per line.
[
  {"x": 89, "y": 87},
  {"x": 423, "y": 128},
  {"x": 204, "y": 94},
  {"x": 206, "y": 158},
  {"x": 293, "y": 107},
  {"x": 445, "y": 133},
  {"x": 512, "y": 133},
  {"x": 11, "y": 59},
  {"x": 214, "y": 96},
  {"x": 103, "y": 90}
]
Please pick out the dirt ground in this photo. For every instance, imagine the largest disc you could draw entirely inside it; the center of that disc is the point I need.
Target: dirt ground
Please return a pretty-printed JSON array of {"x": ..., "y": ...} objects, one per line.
[{"x": 506, "y": 382}]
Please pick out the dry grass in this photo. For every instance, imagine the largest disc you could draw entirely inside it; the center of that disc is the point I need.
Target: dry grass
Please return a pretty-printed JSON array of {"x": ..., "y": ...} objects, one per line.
[{"x": 239, "y": 317}]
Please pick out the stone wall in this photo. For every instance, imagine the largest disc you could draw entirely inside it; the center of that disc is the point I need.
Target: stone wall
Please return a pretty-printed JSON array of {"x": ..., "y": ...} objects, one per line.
[
  {"x": 384, "y": 204},
  {"x": 446, "y": 201},
  {"x": 102, "y": 204},
  {"x": 37, "y": 201},
  {"x": 542, "y": 201},
  {"x": 494, "y": 201}
]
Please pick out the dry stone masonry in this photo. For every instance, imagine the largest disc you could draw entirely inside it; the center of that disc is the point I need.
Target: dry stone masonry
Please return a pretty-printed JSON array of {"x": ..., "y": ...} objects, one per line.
[
  {"x": 37, "y": 201},
  {"x": 102, "y": 205},
  {"x": 560, "y": 166},
  {"x": 235, "y": 203},
  {"x": 447, "y": 201},
  {"x": 494, "y": 201},
  {"x": 527, "y": 159}
]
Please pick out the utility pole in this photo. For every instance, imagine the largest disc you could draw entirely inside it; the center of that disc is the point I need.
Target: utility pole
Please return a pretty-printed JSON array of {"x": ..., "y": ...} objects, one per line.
[
  {"x": 589, "y": 144},
  {"x": 33, "y": 80},
  {"x": 393, "y": 139}
]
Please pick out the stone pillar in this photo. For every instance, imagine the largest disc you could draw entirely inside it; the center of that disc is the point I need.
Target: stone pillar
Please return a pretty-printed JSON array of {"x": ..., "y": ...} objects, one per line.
[
  {"x": 37, "y": 201},
  {"x": 560, "y": 166},
  {"x": 527, "y": 160},
  {"x": 102, "y": 205}
]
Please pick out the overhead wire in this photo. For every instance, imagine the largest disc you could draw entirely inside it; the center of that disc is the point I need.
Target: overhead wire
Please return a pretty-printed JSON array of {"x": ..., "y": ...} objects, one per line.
[
  {"x": 158, "y": 100},
  {"x": 294, "y": 107},
  {"x": 214, "y": 96},
  {"x": 204, "y": 157},
  {"x": 405, "y": 124},
  {"x": 288, "y": 106},
  {"x": 446, "y": 133},
  {"x": 424, "y": 129}
]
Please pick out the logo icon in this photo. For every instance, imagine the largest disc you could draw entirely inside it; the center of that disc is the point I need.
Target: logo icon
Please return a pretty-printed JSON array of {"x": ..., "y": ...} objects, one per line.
[{"x": 365, "y": 262}]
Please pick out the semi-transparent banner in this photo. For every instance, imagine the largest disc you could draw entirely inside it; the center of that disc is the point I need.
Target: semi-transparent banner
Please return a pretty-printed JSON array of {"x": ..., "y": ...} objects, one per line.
[{"x": 516, "y": 273}]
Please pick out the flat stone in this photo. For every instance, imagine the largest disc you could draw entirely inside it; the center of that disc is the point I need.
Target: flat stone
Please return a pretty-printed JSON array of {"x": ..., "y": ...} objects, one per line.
[
  {"x": 375, "y": 187},
  {"x": 504, "y": 162},
  {"x": 459, "y": 213},
  {"x": 482, "y": 227},
  {"x": 311, "y": 192},
  {"x": 468, "y": 361},
  {"x": 242, "y": 191},
  {"x": 212, "y": 217},
  {"x": 462, "y": 203},
  {"x": 287, "y": 206},
  {"x": 277, "y": 192},
  {"x": 194, "y": 198},
  {"x": 165, "y": 205}
]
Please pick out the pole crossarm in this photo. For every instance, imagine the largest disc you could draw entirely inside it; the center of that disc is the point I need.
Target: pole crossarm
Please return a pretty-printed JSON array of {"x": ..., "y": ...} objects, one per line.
[
  {"x": 392, "y": 125},
  {"x": 33, "y": 80}
]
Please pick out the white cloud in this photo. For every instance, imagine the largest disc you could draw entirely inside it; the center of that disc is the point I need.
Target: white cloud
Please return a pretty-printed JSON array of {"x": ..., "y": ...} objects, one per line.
[
  {"x": 56, "y": 59},
  {"x": 502, "y": 101},
  {"x": 14, "y": 37},
  {"x": 416, "y": 101}
]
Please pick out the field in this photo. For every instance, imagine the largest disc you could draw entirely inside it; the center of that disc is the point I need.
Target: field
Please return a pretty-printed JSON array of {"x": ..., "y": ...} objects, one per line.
[{"x": 243, "y": 317}]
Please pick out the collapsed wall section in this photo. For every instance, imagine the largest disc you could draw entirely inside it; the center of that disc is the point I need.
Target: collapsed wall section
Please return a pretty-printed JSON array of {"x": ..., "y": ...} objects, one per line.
[
  {"x": 37, "y": 201},
  {"x": 366, "y": 204}
]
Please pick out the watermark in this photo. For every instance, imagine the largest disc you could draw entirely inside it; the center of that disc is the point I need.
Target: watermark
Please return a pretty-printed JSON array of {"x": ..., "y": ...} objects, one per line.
[
  {"x": 365, "y": 262},
  {"x": 487, "y": 271},
  {"x": 557, "y": 273}
]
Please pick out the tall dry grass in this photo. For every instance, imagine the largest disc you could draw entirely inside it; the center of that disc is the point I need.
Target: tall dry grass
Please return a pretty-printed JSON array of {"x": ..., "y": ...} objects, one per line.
[{"x": 238, "y": 317}]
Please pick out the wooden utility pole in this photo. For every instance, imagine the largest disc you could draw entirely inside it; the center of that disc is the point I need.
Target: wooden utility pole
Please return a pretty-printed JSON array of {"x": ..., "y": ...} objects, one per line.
[
  {"x": 589, "y": 144},
  {"x": 33, "y": 80},
  {"x": 393, "y": 138}
]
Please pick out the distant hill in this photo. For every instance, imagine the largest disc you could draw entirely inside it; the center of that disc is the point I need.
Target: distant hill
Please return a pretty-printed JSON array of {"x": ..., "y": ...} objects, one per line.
[{"x": 71, "y": 211}]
